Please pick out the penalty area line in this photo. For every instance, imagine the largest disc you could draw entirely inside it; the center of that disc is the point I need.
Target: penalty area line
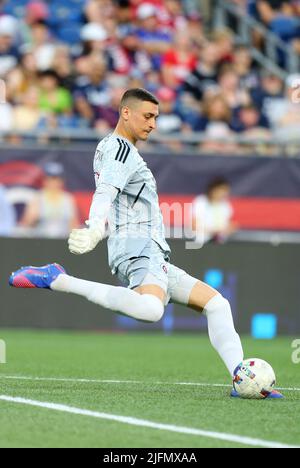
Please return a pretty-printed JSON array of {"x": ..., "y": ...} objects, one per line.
[{"x": 148, "y": 424}]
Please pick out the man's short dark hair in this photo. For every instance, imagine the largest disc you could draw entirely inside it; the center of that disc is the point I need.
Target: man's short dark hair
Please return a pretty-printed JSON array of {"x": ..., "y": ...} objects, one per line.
[
  {"x": 216, "y": 183},
  {"x": 138, "y": 94}
]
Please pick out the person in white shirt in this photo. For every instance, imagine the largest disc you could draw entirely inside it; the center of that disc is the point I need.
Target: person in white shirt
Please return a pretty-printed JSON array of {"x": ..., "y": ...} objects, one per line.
[
  {"x": 7, "y": 214},
  {"x": 212, "y": 213}
]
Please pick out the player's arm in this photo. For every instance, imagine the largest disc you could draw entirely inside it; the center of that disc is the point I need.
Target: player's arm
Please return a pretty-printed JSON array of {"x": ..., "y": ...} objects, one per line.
[
  {"x": 114, "y": 171},
  {"x": 85, "y": 240}
]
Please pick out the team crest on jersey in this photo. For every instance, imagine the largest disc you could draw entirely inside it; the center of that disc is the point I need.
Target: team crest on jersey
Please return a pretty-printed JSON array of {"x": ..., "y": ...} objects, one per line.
[
  {"x": 165, "y": 269},
  {"x": 98, "y": 155}
]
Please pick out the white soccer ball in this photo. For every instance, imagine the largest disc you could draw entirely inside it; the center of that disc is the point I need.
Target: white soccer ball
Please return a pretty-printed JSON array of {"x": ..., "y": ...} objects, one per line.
[{"x": 254, "y": 378}]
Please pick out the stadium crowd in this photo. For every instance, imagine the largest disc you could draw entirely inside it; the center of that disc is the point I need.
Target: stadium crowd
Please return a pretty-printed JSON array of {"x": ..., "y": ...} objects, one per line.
[{"x": 66, "y": 64}]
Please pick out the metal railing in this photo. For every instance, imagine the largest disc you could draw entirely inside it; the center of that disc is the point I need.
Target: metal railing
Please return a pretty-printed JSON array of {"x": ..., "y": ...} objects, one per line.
[
  {"x": 274, "y": 45},
  {"x": 275, "y": 144}
]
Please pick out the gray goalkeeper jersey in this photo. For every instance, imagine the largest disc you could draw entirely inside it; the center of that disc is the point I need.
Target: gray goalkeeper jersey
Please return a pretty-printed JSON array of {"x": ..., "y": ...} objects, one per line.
[{"x": 135, "y": 216}]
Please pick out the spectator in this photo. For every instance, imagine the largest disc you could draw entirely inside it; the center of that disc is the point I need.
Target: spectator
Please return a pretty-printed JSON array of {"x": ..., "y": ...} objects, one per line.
[
  {"x": 189, "y": 109},
  {"x": 168, "y": 121},
  {"x": 53, "y": 98},
  {"x": 243, "y": 66},
  {"x": 21, "y": 78},
  {"x": 154, "y": 40},
  {"x": 251, "y": 122},
  {"x": 94, "y": 38},
  {"x": 97, "y": 10},
  {"x": 92, "y": 89},
  {"x": 6, "y": 119},
  {"x": 215, "y": 109},
  {"x": 215, "y": 123},
  {"x": 107, "y": 116},
  {"x": 36, "y": 11},
  {"x": 205, "y": 74},
  {"x": 123, "y": 16},
  {"x": 151, "y": 80},
  {"x": 230, "y": 88},
  {"x": 7, "y": 214},
  {"x": 27, "y": 115},
  {"x": 196, "y": 28},
  {"x": 279, "y": 17},
  {"x": 224, "y": 41},
  {"x": 212, "y": 213},
  {"x": 64, "y": 67},
  {"x": 254, "y": 127},
  {"x": 179, "y": 61},
  {"x": 288, "y": 117},
  {"x": 43, "y": 45},
  {"x": 171, "y": 15},
  {"x": 52, "y": 212},
  {"x": 268, "y": 96},
  {"x": 9, "y": 55}
]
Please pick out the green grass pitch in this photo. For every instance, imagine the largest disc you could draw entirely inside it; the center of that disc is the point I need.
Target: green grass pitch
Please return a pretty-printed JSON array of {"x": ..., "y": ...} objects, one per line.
[{"x": 145, "y": 368}]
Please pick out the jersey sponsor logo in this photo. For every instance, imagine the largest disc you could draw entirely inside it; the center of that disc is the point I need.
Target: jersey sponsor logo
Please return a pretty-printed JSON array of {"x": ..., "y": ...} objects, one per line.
[{"x": 123, "y": 152}]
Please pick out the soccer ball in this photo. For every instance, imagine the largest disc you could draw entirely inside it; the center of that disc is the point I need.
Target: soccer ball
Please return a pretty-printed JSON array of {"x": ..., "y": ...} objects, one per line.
[{"x": 254, "y": 378}]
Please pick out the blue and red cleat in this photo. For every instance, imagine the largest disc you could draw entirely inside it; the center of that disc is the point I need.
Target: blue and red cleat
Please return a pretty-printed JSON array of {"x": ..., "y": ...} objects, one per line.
[
  {"x": 36, "y": 277},
  {"x": 273, "y": 395}
]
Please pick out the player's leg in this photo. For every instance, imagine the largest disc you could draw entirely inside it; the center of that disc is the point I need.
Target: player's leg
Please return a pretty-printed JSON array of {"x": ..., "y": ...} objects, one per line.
[
  {"x": 153, "y": 289},
  {"x": 186, "y": 290},
  {"x": 147, "y": 307},
  {"x": 149, "y": 275}
]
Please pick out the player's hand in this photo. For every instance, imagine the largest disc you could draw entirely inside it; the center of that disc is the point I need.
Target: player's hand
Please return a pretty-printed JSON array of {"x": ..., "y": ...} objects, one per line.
[{"x": 82, "y": 241}]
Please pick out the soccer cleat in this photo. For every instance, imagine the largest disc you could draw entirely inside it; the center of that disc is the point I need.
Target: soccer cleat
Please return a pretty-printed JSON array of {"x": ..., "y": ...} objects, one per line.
[
  {"x": 36, "y": 277},
  {"x": 273, "y": 395}
]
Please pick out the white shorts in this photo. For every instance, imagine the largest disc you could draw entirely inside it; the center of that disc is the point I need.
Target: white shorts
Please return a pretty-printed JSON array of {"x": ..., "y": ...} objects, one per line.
[{"x": 153, "y": 267}]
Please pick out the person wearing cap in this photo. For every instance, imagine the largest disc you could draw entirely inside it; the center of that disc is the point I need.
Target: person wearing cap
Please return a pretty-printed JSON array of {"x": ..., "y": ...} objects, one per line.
[
  {"x": 52, "y": 212},
  {"x": 9, "y": 54},
  {"x": 154, "y": 40},
  {"x": 95, "y": 33},
  {"x": 106, "y": 41},
  {"x": 35, "y": 11}
]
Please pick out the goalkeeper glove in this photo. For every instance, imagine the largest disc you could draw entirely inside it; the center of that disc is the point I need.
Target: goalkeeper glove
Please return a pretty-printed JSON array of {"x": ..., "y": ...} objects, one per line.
[{"x": 82, "y": 241}]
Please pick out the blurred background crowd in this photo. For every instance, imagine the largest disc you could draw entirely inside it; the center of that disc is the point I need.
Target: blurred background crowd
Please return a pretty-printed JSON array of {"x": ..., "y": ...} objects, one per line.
[{"x": 66, "y": 64}]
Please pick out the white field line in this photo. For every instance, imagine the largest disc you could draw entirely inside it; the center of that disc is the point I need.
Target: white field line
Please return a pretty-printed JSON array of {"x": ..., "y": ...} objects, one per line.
[
  {"x": 100, "y": 381},
  {"x": 149, "y": 424}
]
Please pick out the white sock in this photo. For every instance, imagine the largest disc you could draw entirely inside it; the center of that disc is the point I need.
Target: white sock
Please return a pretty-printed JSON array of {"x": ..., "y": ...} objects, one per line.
[
  {"x": 145, "y": 307},
  {"x": 222, "y": 333}
]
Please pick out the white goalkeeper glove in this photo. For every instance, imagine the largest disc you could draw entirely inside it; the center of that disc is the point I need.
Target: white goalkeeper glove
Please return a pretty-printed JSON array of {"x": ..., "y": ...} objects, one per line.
[{"x": 82, "y": 241}]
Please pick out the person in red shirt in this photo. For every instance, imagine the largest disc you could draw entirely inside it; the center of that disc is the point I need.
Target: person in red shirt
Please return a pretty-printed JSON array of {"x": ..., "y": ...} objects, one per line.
[{"x": 179, "y": 61}]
